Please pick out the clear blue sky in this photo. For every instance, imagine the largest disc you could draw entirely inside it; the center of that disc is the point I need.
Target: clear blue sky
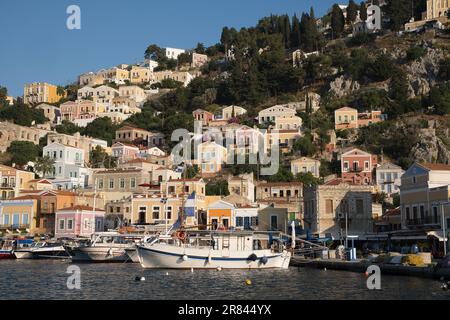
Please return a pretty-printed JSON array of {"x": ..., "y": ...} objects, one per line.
[{"x": 36, "y": 46}]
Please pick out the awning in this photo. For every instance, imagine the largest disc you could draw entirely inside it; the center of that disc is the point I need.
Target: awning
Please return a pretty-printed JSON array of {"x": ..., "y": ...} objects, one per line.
[
  {"x": 424, "y": 237},
  {"x": 437, "y": 234}
]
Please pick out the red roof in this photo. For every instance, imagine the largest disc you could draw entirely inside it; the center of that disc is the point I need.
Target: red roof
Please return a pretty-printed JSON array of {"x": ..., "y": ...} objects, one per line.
[{"x": 80, "y": 207}]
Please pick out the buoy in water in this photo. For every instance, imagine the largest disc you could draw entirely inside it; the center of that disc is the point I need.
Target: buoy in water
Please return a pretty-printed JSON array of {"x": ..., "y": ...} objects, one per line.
[
  {"x": 192, "y": 270},
  {"x": 444, "y": 286},
  {"x": 137, "y": 278},
  {"x": 324, "y": 269},
  {"x": 167, "y": 273},
  {"x": 248, "y": 282},
  {"x": 219, "y": 268}
]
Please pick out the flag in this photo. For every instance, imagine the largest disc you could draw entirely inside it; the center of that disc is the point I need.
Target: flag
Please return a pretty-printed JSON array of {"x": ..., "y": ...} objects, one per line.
[{"x": 189, "y": 206}]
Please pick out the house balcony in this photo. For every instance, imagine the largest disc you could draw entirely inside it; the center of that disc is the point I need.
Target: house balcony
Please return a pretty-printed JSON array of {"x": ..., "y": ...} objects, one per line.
[
  {"x": 14, "y": 226},
  {"x": 430, "y": 222},
  {"x": 8, "y": 185},
  {"x": 47, "y": 211}
]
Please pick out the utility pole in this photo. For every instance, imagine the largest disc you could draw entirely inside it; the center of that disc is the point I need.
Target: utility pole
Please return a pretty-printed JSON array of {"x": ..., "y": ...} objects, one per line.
[{"x": 444, "y": 231}]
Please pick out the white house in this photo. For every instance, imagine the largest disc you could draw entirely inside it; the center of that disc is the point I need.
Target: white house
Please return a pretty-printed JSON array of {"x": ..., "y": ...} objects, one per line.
[
  {"x": 133, "y": 92},
  {"x": 162, "y": 174},
  {"x": 153, "y": 151},
  {"x": 102, "y": 94},
  {"x": 232, "y": 111},
  {"x": 246, "y": 217},
  {"x": 173, "y": 53},
  {"x": 283, "y": 117},
  {"x": 388, "y": 178},
  {"x": 68, "y": 170}
]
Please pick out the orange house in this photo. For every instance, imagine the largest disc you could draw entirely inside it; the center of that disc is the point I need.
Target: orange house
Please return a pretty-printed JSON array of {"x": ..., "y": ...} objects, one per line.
[{"x": 221, "y": 215}]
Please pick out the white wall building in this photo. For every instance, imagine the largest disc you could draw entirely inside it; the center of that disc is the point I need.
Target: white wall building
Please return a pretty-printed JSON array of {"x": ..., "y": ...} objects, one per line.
[
  {"x": 68, "y": 167},
  {"x": 173, "y": 53}
]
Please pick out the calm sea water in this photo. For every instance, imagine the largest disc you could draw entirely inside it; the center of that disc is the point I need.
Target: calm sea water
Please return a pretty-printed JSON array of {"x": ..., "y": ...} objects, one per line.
[{"x": 30, "y": 279}]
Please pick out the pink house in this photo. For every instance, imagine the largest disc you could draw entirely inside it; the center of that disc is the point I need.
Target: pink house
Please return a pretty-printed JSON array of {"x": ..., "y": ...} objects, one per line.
[
  {"x": 124, "y": 152},
  {"x": 357, "y": 166},
  {"x": 204, "y": 116},
  {"x": 78, "y": 221}
]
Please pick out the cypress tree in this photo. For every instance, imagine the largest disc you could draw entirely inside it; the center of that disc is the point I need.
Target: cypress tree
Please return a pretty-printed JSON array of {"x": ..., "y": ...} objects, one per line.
[{"x": 337, "y": 21}]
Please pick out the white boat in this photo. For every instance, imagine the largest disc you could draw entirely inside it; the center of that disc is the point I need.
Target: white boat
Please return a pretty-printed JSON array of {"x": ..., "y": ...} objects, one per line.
[
  {"x": 215, "y": 250},
  {"x": 106, "y": 247},
  {"x": 24, "y": 249},
  {"x": 42, "y": 250}
]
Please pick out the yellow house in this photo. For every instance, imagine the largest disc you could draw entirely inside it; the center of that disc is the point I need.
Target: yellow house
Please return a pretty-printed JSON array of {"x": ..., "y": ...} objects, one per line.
[
  {"x": 139, "y": 75},
  {"x": 304, "y": 165},
  {"x": 40, "y": 92},
  {"x": 346, "y": 118},
  {"x": 19, "y": 213},
  {"x": 210, "y": 157},
  {"x": 12, "y": 181}
]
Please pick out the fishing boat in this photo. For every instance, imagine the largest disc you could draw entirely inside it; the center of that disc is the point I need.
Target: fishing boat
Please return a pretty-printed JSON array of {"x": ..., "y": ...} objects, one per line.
[
  {"x": 215, "y": 250},
  {"x": 7, "y": 248},
  {"x": 106, "y": 247}
]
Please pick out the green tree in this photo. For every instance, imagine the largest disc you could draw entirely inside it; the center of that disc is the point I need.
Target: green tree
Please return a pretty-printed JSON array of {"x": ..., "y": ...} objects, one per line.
[
  {"x": 399, "y": 12},
  {"x": 305, "y": 146},
  {"x": 307, "y": 179},
  {"x": 363, "y": 11},
  {"x": 184, "y": 58},
  {"x": 67, "y": 127},
  {"x": 22, "y": 152},
  {"x": 23, "y": 115},
  {"x": 439, "y": 99},
  {"x": 217, "y": 188},
  {"x": 382, "y": 68},
  {"x": 352, "y": 11},
  {"x": 444, "y": 69},
  {"x": 295, "y": 34},
  {"x": 101, "y": 128},
  {"x": 44, "y": 165},
  {"x": 100, "y": 159},
  {"x": 200, "y": 48},
  {"x": 337, "y": 21},
  {"x": 283, "y": 175},
  {"x": 3, "y": 95},
  {"x": 153, "y": 51}
]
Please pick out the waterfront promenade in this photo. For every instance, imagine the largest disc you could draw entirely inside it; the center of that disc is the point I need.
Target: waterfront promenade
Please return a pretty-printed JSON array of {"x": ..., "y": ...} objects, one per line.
[{"x": 429, "y": 272}]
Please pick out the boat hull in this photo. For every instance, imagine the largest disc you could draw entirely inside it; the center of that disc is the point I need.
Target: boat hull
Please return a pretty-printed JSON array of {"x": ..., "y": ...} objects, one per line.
[
  {"x": 23, "y": 254},
  {"x": 96, "y": 254},
  {"x": 6, "y": 254},
  {"x": 132, "y": 255},
  {"x": 172, "y": 257}
]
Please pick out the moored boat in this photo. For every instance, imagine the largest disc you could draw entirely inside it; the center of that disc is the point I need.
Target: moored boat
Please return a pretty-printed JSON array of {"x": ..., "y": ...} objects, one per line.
[
  {"x": 7, "y": 249},
  {"x": 215, "y": 250},
  {"x": 24, "y": 249},
  {"x": 106, "y": 247}
]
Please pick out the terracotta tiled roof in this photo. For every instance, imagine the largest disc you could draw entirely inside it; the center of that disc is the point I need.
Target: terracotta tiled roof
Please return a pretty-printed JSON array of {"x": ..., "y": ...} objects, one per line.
[
  {"x": 80, "y": 207},
  {"x": 26, "y": 197},
  {"x": 41, "y": 181},
  {"x": 122, "y": 170},
  {"x": 334, "y": 182},
  {"x": 279, "y": 184},
  {"x": 130, "y": 128}
]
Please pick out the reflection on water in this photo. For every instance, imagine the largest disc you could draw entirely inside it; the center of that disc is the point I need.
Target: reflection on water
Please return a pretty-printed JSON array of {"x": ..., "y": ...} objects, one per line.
[{"x": 28, "y": 279}]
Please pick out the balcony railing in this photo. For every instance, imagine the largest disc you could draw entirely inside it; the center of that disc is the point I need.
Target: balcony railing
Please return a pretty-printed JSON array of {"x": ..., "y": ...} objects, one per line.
[
  {"x": 423, "y": 221},
  {"x": 8, "y": 185},
  {"x": 14, "y": 226}
]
